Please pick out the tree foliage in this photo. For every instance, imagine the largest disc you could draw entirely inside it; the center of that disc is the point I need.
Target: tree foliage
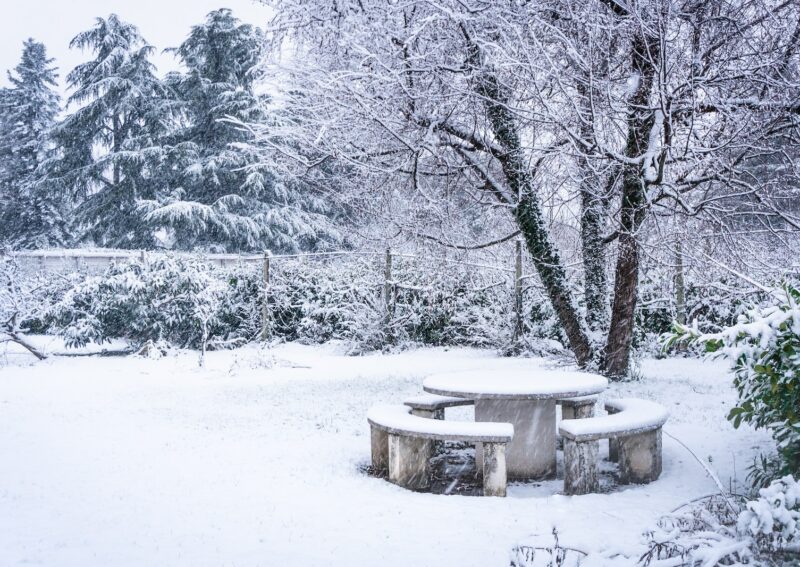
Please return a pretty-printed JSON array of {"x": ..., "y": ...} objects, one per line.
[
  {"x": 109, "y": 155},
  {"x": 764, "y": 350},
  {"x": 603, "y": 116},
  {"x": 223, "y": 194},
  {"x": 29, "y": 217}
]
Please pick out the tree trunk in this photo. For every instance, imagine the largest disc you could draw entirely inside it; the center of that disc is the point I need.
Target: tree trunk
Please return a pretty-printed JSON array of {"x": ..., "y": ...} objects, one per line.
[
  {"x": 20, "y": 340},
  {"x": 594, "y": 260},
  {"x": 593, "y": 212},
  {"x": 528, "y": 212},
  {"x": 616, "y": 357}
]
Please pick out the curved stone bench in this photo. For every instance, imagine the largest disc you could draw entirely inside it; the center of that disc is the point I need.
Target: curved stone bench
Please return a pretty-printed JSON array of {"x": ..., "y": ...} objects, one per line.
[
  {"x": 634, "y": 425},
  {"x": 402, "y": 442}
]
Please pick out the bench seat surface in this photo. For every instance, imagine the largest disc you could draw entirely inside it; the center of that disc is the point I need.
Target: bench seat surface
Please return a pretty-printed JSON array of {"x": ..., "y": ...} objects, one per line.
[
  {"x": 434, "y": 401},
  {"x": 634, "y": 416},
  {"x": 398, "y": 420}
]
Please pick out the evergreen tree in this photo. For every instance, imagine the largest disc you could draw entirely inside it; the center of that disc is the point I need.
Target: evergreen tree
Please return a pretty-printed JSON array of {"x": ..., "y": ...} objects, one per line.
[
  {"x": 224, "y": 197},
  {"x": 109, "y": 154},
  {"x": 29, "y": 217}
]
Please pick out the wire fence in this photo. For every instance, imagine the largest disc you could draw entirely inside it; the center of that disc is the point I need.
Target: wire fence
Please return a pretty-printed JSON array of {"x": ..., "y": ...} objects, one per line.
[{"x": 97, "y": 261}]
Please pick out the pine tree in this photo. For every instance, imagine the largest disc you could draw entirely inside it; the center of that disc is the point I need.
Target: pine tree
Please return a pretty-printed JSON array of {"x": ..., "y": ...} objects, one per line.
[
  {"x": 224, "y": 197},
  {"x": 29, "y": 217},
  {"x": 109, "y": 153}
]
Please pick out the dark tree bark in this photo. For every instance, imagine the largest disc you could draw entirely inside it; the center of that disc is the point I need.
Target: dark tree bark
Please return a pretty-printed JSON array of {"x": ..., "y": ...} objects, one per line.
[
  {"x": 528, "y": 213},
  {"x": 593, "y": 211},
  {"x": 645, "y": 52},
  {"x": 594, "y": 260}
]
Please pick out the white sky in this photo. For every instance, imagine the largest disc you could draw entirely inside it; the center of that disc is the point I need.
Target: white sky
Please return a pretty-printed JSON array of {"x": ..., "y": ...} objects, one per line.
[{"x": 163, "y": 23}]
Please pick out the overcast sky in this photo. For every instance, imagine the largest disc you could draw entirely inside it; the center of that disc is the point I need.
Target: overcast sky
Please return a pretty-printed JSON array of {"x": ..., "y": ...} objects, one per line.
[{"x": 163, "y": 23}]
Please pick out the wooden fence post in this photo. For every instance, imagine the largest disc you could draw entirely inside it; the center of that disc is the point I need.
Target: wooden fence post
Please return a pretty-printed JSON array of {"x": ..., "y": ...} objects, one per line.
[
  {"x": 518, "y": 327},
  {"x": 680, "y": 286},
  {"x": 388, "y": 285},
  {"x": 265, "y": 326}
]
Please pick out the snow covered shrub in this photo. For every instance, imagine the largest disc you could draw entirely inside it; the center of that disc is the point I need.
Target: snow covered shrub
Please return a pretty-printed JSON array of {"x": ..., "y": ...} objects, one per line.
[
  {"x": 323, "y": 301},
  {"x": 726, "y": 530},
  {"x": 764, "y": 349},
  {"x": 20, "y": 304},
  {"x": 344, "y": 299},
  {"x": 187, "y": 303},
  {"x": 656, "y": 310},
  {"x": 699, "y": 533},
  {"x": 178, "y": 301},
  {"x": 773, "y": 519}
]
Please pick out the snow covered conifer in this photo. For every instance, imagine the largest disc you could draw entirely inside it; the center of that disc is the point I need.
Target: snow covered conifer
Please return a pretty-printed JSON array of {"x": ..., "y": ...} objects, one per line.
[
  {"x": 109, "y": 155},
  {"x": 224, "y": 197},
  {"x": 28, "y": 110}
]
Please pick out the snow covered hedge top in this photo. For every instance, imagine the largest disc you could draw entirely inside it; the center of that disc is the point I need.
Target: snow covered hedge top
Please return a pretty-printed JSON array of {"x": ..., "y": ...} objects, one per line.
[
  {"x": 633, "y": 415},
  {"x": 398, "y": 419},
  {"x": 515, "y": 384}
]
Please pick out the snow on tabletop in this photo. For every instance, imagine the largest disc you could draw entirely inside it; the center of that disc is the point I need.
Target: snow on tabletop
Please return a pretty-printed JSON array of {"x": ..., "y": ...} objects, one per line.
[
  {"x": 634, "y": 414},
  {"x": 399, "y": 417},
  {"x": 516, "y": 383}
]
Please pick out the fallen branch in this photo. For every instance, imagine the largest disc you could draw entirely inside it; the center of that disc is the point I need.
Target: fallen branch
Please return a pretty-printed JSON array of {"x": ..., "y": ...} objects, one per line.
[{"x": 15, "y": 337}]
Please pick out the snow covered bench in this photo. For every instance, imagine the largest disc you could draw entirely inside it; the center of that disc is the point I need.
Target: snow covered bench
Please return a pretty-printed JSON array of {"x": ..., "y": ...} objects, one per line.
[
  {"x": 402, "y": 442},
  {"x": 635, "y": 428},
  {"x": 433, "y": 405}
]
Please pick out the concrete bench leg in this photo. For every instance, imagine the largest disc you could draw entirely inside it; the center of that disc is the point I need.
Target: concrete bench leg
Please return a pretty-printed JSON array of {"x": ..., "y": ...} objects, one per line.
[
  {"x": 580, "y": 467},
  {"x": 431, "y": 414},
  {"x": 613, "y": 443},
  {"x": 408, "y": 462},
  {"x": 495, "y": 477},
  {"x": 380, "y": 449},
  {"x": 582, "y": 411},
  {"x": 613, "y": 450},
  {"x": 640, "y": 457}
]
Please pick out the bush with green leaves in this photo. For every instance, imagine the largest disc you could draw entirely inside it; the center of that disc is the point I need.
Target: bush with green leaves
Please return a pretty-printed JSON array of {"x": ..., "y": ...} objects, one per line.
[
  {"x": 185, "y": 302},
  {"x": 175, "y": 301},
  {"x": 764, "y": 349},
  {"x": 344, "y": 299}
]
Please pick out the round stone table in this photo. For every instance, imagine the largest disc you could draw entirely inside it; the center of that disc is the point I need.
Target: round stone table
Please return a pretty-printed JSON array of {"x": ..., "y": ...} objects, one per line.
[{"x": 526, "y": 398}]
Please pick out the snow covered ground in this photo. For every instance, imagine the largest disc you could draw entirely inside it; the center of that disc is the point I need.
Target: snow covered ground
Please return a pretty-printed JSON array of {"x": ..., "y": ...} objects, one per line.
[{"x": 256, "y": 461}]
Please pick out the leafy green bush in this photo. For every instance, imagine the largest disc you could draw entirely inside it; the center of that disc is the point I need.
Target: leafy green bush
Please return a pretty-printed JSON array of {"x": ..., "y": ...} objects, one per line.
[
  {"x": 180, "y": 302},
  {"x": 764, "y": 349},
  {"x": 187, "y": 303}
]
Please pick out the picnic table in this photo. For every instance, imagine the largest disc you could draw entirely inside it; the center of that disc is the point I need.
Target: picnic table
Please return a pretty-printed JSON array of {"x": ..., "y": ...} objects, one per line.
[{"x": 525, "y": 398}]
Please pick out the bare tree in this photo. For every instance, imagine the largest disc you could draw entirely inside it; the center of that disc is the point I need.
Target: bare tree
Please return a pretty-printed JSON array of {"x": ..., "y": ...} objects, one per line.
[{"x": 599, "y": 114}]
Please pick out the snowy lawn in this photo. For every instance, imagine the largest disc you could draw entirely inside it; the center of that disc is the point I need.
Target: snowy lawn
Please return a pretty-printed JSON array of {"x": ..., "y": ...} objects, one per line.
[{"x": 133, "y": 462}]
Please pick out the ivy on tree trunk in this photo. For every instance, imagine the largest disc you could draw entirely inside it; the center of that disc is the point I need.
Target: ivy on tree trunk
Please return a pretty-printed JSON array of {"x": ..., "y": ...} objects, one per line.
[{"x": 528, "y": 212}]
